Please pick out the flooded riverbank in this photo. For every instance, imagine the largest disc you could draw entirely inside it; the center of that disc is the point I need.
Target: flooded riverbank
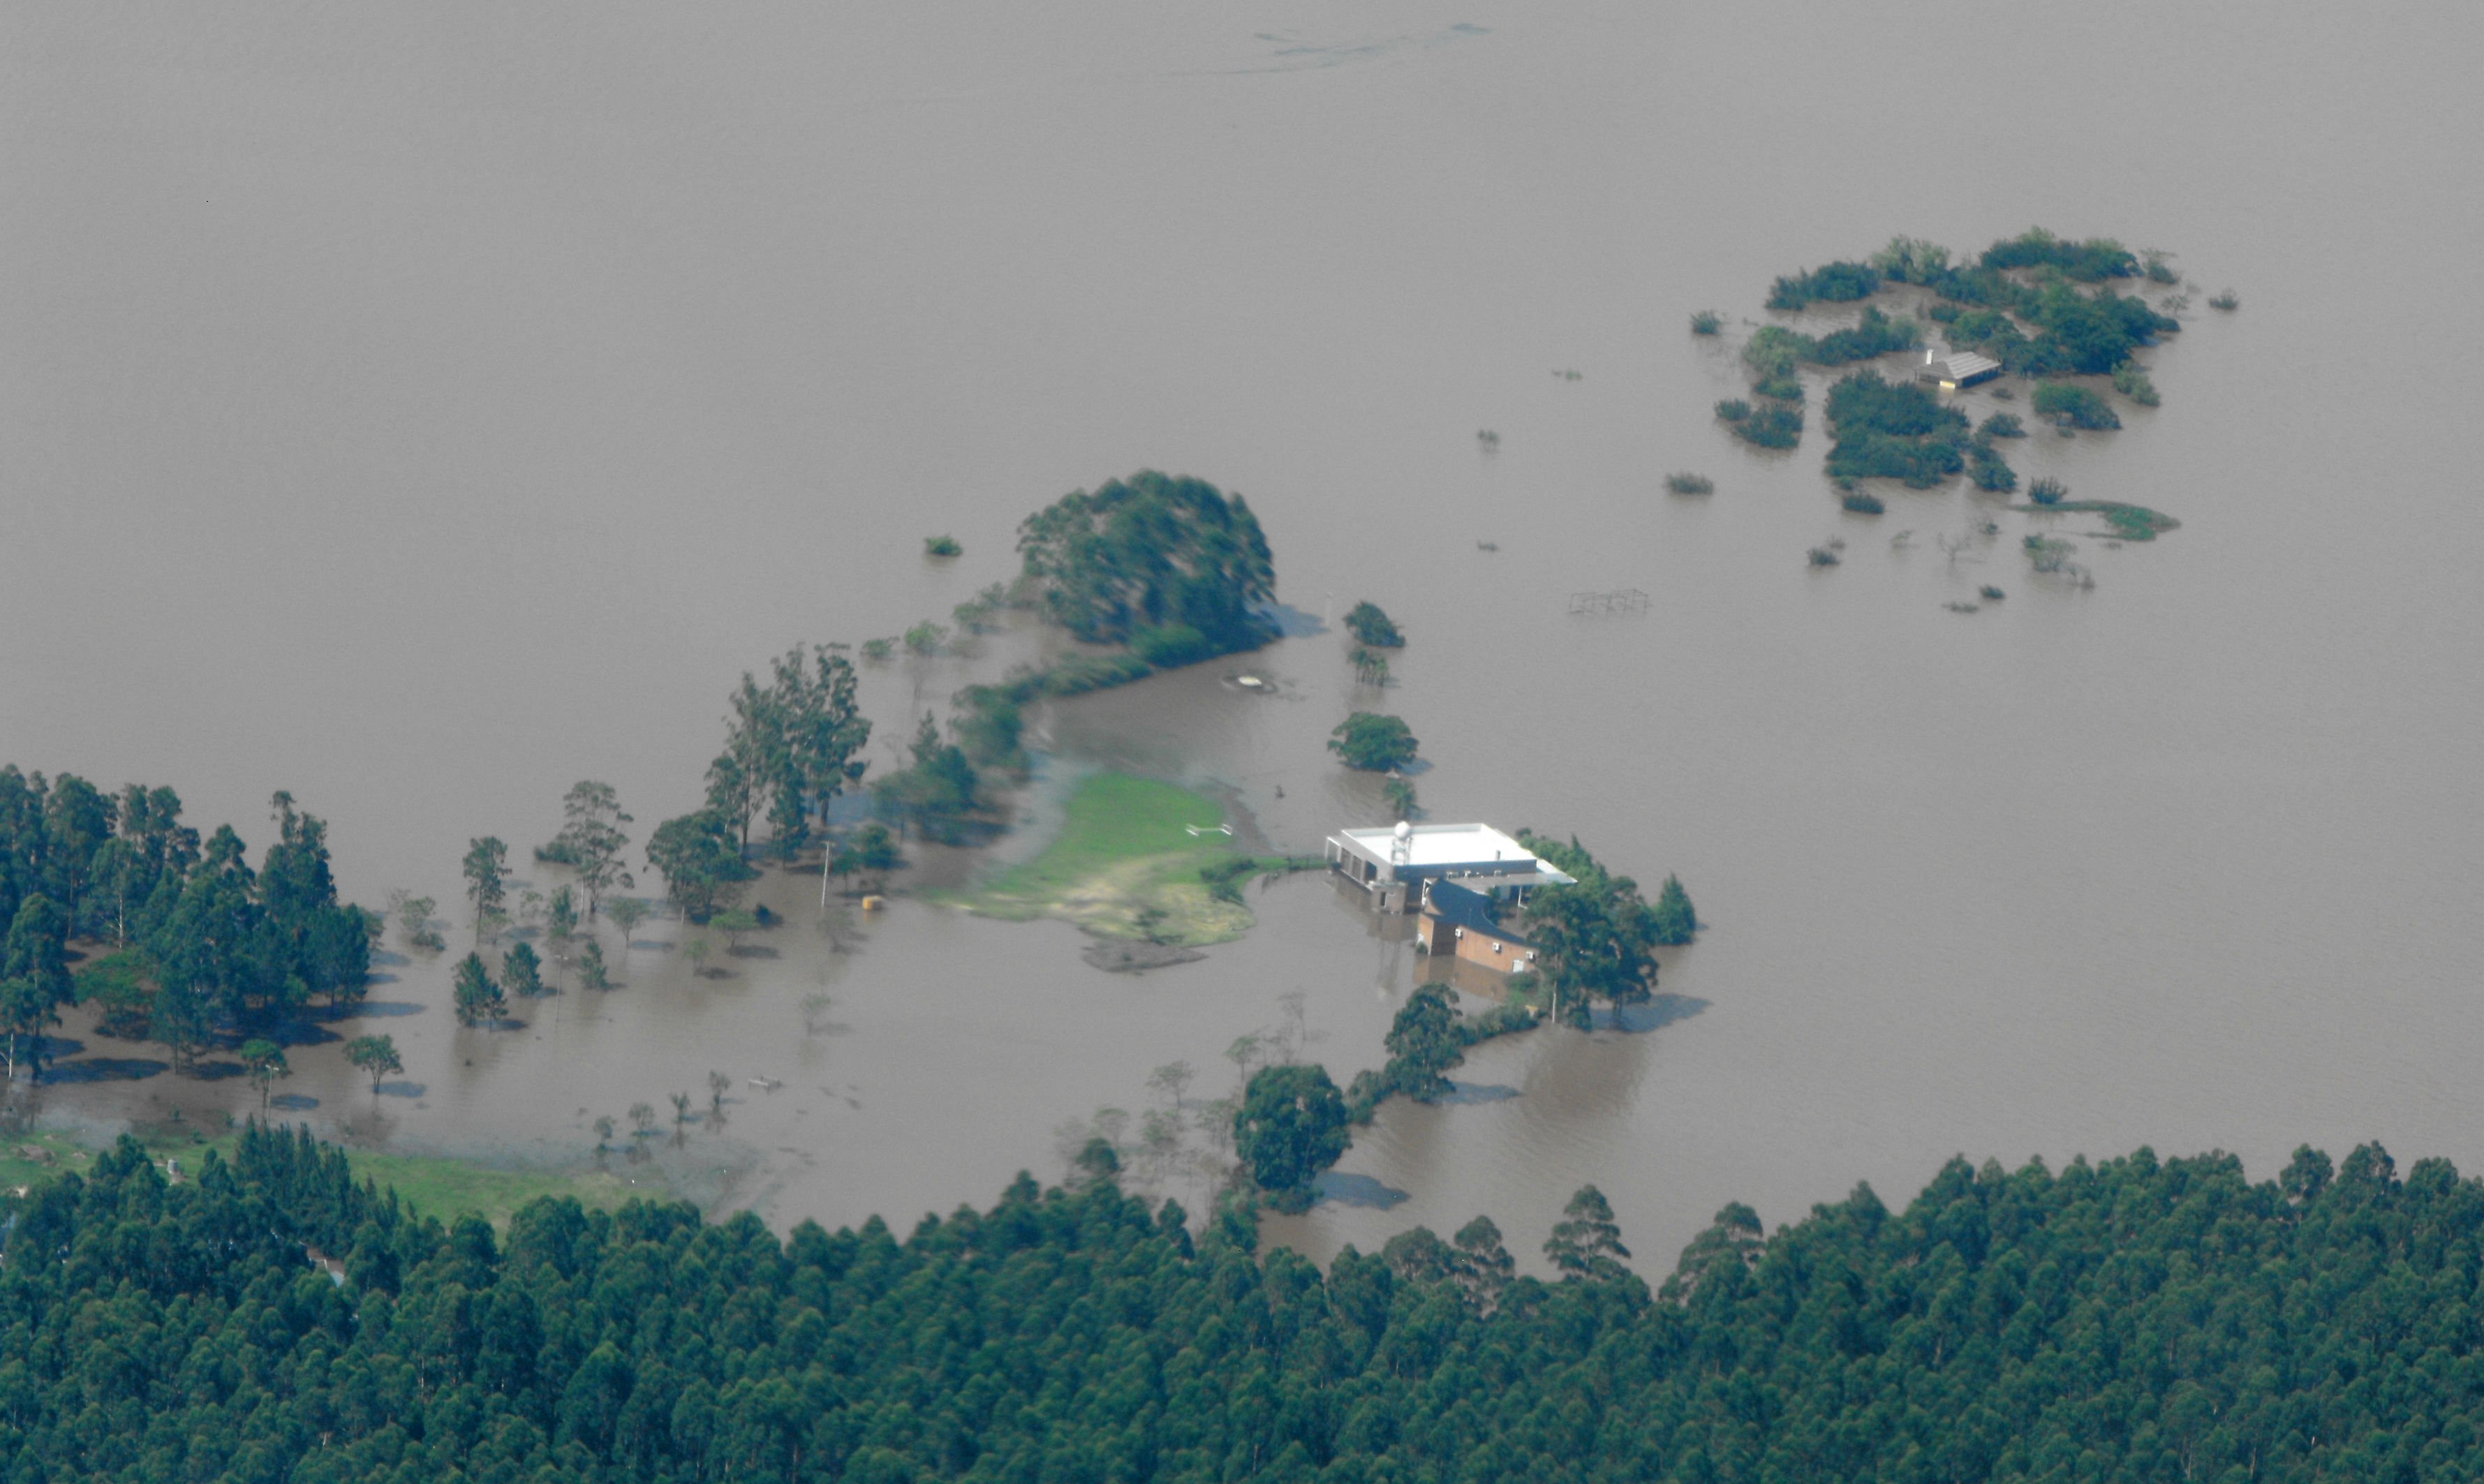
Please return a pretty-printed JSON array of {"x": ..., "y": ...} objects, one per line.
[{"x": 421, "y": 414}]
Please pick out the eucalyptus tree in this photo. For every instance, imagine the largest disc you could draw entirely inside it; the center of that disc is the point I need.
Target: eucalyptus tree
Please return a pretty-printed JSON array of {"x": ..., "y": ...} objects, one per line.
[
  {"x": 591, "y": 840},
  {"x": 627, "y": 914},
  {"x": 487, "y": 879}
]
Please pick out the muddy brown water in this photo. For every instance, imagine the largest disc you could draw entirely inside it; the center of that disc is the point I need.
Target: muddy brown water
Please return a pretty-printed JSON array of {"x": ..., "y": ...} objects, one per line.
[{"x": 422, "y": 411}]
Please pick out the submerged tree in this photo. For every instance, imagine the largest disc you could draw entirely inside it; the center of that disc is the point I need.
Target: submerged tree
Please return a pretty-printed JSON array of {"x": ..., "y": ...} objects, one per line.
[
  {"x": 1596, "y": 937},
  {"x": 477, "y": 996},
  {"x": 1373, "y": 742},
  {"x": 262, "y": 1062},
  {"x": 1675, "y": 921},
  {"x": 627, "y": 914},
  {"x": 521, "y": 971},
  {"x": 487, "y": 873},
  {"x": 703, "y": 869},
  {"x": 1151, "y": 552},
  {"x": 376, "y": 1056},
  {"x": 1291, "y": 1125},
  {"x": 591, "y": 840}
]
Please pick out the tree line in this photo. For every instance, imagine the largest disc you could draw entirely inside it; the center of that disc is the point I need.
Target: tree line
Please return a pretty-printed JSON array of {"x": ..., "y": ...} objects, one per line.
[
  {"x": 2135, "y": 1318},
  {"x": 196, "y": 943}
]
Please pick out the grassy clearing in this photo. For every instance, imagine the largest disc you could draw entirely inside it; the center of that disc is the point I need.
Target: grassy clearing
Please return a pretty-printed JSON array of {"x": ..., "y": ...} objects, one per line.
[
  {"x": 444, "y": 1188},
  {"x": 1125, "y": 865},
  {"x": 2129, "y": 523}
]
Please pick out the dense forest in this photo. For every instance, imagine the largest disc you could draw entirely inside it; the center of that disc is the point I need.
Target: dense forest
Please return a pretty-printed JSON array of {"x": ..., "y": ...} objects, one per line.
[
  {"x": 2136, "y": 1319},
  {"x": 201, "y": 944}
]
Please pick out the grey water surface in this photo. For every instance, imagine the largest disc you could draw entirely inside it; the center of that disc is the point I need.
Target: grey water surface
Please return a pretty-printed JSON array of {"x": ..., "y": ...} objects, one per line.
[{"x": 422, "y": 408}]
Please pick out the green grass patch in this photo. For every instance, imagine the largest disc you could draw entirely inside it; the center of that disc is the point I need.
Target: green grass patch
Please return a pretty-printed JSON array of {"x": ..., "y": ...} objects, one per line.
[
  {"x": 2129, "y": 523},
  {"x": 434, "y": 1186},
  {"x": 447, "y": 1188},
  {"x": 1125, "y": 865}
]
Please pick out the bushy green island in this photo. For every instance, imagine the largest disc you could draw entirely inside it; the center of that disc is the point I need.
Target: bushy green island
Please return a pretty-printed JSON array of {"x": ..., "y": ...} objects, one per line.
[
  {"x": 2042, "y": 305},
  {"x": 2135, "y": 1319}
]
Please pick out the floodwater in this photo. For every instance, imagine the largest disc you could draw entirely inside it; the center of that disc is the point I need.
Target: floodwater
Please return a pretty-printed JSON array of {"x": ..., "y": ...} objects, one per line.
[{"x": 423, "y": 410}]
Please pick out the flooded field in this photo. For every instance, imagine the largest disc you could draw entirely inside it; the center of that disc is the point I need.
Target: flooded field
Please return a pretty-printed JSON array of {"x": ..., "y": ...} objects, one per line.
[{"x": 423, "y": 413}]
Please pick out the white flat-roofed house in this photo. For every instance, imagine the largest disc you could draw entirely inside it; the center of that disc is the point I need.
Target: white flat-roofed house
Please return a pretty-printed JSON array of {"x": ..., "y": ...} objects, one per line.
[{"x": 1396, "y": 864}]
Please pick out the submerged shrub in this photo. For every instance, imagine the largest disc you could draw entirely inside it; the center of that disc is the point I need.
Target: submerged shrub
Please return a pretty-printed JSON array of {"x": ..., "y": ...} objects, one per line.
[
  {"x": 2049, "y": 491},
  {"x": 1861, "y": 503},
  {"x": 2074, "y": 405},
  {"x": 941, "y": 546},
  {"x": 1690, "y": 484},
  {"x": 2002, "y": 425},
  {"x": 1707, "y": 322},
  {"x": 1732, "y": 409},
  {"x": 1776, "y": 426},
  {"x": 2130, "y": 379},
  {"x": 1838, "y": 283},
  {"x": 1823, "y": 556},
  {"x": 1992, "y": 472},
  {"x": 2224, "y": 301}
]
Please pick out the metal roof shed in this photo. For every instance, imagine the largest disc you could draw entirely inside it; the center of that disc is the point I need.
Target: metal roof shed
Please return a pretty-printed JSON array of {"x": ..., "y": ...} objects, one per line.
[{"x": 1959, "y": 369}]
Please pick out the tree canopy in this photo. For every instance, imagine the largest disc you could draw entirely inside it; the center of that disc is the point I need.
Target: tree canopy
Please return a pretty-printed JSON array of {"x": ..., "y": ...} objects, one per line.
[
  {"x": 699, "y": 860},
  {"x": 2136, "y": 1319},
  {"x": 1290, "y": 1127},
  {"x": 1372, "y": 742},
  {"x": 202, "y": 941},
  {"x": 1151, "y": 552},
  {"x": 1596, "y": 937}
]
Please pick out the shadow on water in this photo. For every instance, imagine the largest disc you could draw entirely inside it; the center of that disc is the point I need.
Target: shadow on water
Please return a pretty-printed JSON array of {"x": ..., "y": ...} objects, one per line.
[
  {"x": 1658, "y": 1010},
  {"x": 1290, "y": 622},
  {"x": 293, "y": 1102},
  {"x": 295, "y": 1033},
  {"x": 394, "y": 960},
  {"x": 1355, "y": 1190},
  {"x": 381, "y": 1010},
  {"x": 105, "y": 1068},
  {"x": 403, "y": 1089},
  {"x": 1477, "y": 1093},
  {"x": 215, "y": 1071},
  {"x": 756, "y": 951}
]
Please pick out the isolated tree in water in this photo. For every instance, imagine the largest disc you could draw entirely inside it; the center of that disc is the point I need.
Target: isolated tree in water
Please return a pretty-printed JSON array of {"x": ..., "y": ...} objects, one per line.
[
  {"x": 521, "y": 971},
  {"x": 487, "y": 875},
  {"x": 1372, "y": 742},
  {"x": 590, "y": 841},
  {"x": 376, "y": 1056},
  {"x": 1291, "y": 1127},
  {"x": 478, "y": 998},
  {"x": 25, "y": 1008},
  {"x": 627, "y": 914},
  {"x": 1674, "y": 922},
  {"x": 703, "y": 868},
  {"x": 263, "y": 1062}
]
